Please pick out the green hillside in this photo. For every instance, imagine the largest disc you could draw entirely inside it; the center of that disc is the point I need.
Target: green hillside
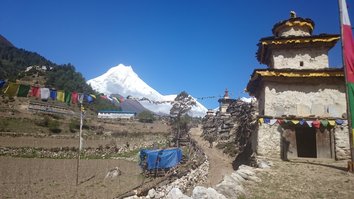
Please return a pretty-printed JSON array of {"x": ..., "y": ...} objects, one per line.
[{"x": 14, "y": 61}]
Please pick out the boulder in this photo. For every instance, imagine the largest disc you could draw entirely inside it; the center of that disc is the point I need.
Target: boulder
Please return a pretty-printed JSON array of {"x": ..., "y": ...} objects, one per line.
[
  {"x": 152, "y": 193},
  {"x": 175, "y": 193},
  {"x": 230, "y": 190},
  {"x": 206, "y": 193}
]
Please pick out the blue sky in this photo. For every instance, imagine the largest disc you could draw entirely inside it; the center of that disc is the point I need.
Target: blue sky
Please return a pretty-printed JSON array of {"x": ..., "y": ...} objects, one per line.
[{"x": 200, "y": 46}]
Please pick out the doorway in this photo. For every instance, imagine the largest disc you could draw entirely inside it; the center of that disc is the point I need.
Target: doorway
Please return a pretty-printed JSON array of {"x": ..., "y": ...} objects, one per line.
[{"x": 306, "y": 142}]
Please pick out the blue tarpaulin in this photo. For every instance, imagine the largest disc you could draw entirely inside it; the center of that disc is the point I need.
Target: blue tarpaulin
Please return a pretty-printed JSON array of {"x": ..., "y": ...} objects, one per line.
[{"x": 160, "y": 158}]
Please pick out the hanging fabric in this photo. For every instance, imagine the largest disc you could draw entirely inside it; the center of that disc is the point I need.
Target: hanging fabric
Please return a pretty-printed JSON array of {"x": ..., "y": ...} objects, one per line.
[
  {"x": 2, "y": 83},
  {"x": 316, "y": 124},
  {"x": 81, "y": 97},
  {"x": 266, "y": 120},
  {"x": 302, "y": 122},
  {"x": 89, "y": 98},
  {"x": 309, "y": 123},
  {"x": 324, "y": 123},
  {"x": 280, "y": 121},
  {"x": 45, "y": 94},
  {"x": 61, "y": 96},
  {"x": 261, "y": 120},
  {"x": 11, "y": 89},
  {"x": 53, "y": 94},
  {"x": 23, "y": 90},
  {"x": 74, "y": 97},
  {"x": 35, "y": 91},
  {"x": 272, "y": 121},
  {"x": 295, "y": 121},
  {"x": 339, "y": 121},
  {"x": 115, "y": 99},
  {"x": 67, "y": 97},
  {"x": 332, "y": 122}
]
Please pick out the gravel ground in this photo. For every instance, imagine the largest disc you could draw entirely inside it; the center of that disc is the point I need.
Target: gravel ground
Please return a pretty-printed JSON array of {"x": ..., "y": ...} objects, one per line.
[{"x": 303, "y": 178}]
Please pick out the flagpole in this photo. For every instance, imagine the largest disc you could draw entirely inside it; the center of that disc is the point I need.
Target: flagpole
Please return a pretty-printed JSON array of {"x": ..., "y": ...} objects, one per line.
[
  {"x": 80, "y": 146},
  {"x": 350, "y": 163}
]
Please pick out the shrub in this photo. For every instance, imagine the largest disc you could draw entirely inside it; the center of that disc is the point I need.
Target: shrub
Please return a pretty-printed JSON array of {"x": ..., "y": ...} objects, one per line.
[
  {"x": 146, "y": 117},
  {"x": 54, "y": 126},
  {"x": 74, "y": 125}
]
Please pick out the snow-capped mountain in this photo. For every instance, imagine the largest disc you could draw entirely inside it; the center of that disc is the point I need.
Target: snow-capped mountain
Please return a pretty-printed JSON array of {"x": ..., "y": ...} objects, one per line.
[{"x": 123, "y": 80}]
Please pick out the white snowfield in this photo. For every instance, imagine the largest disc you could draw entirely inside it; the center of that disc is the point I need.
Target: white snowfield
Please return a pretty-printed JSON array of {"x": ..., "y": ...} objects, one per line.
[{"x": 123, "y": 80}]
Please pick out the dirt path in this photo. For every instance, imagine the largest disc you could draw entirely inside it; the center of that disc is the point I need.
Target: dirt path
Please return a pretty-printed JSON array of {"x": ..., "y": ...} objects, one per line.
[{"x": 219, "y": 163}]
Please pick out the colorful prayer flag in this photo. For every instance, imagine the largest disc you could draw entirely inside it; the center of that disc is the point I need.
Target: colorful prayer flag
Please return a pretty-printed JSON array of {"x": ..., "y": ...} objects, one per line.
[
  {"x": 35, "y": 92},
  {"x": 332, "y": 122},
  {"x": 272, "y": 121},
  {"x": 74, "y": 97},
  {"x": 61, "y": 96},
  {"x": 89, "y": 98},
  {"x": 295, "y": 121},
  {"x": 11, "y": 89},
  {"x": 316, "y": 124},
  {"x": 67, "y": 97},
  {"x": 266, "y": 120},
  {"x": 23, "y": 90},
  {"x": 309, "y": 123},
  {"x": 81, "y": 98},
  {"x": 348, "y": 55},
  {"x": 45, "y": 93},
  {"x": 324, "y": 123},
  {"x": 339, "y": 121},
  {"x": 53, "y": 94},
  {"x": 302, "y": 122},
  {"x": 2, "y": 83}
]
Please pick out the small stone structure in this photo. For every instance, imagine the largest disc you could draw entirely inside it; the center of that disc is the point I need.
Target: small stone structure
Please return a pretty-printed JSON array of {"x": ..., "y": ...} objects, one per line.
[
  {"x": 225, "y": 102},
  {"x": 301, "y": 101},
  {"x": 110, "y": 114}
]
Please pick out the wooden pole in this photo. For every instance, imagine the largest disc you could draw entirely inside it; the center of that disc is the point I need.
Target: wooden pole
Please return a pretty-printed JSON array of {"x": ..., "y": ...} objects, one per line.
[
  {"x": 80, "y": 146},
  {"x": 350, "y": 163}
]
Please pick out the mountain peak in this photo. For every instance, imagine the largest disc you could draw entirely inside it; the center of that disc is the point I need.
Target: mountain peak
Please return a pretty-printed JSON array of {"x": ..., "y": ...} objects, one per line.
[
  {"x": 123, "y": 80},
  {"x": 120, "y": 68}
]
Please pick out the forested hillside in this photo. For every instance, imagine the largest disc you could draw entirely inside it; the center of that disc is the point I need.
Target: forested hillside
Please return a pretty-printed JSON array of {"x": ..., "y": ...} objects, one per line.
[{"x": 14, "y": 61}]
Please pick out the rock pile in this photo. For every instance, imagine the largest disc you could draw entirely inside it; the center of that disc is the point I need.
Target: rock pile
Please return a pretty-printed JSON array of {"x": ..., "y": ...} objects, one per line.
[
  {"x": 230, "y": 188},
  {"x": 174, "y": 189},
  {"x": 233, "y": 130}
]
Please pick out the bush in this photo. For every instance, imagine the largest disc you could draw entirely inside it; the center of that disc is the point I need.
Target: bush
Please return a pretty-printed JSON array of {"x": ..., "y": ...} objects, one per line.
[
  {"x": 54, "y": 126},
  {"x": 146, "y": 117},
  {"x": 74, "y": 125},
  {"x": 43, "y": 122}
]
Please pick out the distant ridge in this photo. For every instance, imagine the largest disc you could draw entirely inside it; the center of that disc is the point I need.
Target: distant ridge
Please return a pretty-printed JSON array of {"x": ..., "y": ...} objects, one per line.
[{"x": 5, "y": 42}]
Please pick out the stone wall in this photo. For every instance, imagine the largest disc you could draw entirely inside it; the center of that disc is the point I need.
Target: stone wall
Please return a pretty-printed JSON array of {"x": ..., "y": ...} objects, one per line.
[
  {"x": 268, "y": 140},
  {"x": 341, "y": 142},
  {"x": 324, "y": 100},
  {"x": 294, "y": 31},
  {"x": 315, "y": 58}
]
